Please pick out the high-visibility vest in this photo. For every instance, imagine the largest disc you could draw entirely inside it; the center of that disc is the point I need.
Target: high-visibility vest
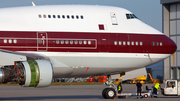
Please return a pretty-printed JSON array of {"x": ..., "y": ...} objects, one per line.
[
  {"x": 157, "y": 86},
  {"x": 119, "y": 88}
]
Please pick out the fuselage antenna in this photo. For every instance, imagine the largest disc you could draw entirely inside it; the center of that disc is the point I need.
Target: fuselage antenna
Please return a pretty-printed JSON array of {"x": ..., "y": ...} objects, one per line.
[{"x": 33, "y": 3}]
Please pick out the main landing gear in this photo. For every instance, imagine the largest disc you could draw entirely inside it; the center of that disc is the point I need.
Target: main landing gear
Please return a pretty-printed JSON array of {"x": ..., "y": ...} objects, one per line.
[{"x": 110, "y": 91}]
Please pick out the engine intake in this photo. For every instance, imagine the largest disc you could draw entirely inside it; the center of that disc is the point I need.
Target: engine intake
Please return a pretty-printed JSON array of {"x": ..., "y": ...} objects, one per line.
[{"x": 37, "y": 73}]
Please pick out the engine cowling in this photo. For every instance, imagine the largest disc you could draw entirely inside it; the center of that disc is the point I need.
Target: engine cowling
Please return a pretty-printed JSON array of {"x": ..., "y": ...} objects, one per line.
[{"x": 37, "y": 73}]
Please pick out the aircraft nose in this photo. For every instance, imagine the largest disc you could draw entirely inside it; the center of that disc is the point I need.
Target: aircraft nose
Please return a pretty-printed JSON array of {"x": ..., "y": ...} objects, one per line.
[
  {"x": 169, "y": 45},
  {"x": 173, "y": 47}
]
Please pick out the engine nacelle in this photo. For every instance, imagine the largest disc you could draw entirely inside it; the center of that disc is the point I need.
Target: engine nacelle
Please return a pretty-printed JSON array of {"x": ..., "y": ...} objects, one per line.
[{"x": 37, "y": 73}]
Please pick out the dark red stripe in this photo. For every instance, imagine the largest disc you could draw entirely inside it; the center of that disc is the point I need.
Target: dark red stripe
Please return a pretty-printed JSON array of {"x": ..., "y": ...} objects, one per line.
[{"x": 103, "y": 41}]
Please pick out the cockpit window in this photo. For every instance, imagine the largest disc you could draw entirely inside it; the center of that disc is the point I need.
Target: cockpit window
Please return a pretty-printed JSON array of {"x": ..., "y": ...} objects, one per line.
[
  {"x": 135, "y": 16},
  {"x": 128, "y": 16},
  {"x": 131, "y": 16}
]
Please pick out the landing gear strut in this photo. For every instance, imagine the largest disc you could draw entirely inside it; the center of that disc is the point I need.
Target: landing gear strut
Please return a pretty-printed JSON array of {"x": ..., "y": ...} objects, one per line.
[{"x": 110, "y": 91}]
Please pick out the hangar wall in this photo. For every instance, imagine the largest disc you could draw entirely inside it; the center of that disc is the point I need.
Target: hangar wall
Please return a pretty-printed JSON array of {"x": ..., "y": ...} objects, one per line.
[{"x": 171, "y": 28}]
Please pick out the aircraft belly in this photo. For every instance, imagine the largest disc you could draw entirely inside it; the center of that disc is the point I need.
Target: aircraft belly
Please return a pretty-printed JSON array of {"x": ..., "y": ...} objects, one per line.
[{"x": 85, "y": 64}]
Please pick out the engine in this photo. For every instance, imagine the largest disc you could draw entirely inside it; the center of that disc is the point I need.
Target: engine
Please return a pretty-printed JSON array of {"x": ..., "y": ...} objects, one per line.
[{"x": 37, "y": 73}]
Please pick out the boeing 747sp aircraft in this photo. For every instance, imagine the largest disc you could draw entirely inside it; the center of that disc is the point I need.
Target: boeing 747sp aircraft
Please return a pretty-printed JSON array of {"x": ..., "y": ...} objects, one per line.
[{"x": 40, "y": 43}]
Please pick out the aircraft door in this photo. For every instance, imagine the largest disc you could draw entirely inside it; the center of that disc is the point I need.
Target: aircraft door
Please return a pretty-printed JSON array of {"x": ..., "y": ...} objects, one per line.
[
  {"x": 42, "y": 43},
  {"x": 103, "y": 42},
  {"x": 114, "y": 19}
]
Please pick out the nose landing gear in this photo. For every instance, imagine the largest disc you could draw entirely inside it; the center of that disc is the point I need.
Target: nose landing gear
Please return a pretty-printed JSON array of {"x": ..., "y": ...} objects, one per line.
[{"x": 110, "y": 91}]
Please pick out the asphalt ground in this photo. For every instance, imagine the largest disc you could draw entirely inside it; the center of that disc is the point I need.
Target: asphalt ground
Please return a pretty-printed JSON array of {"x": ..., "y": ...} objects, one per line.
[{"x": 71, "y": 93}]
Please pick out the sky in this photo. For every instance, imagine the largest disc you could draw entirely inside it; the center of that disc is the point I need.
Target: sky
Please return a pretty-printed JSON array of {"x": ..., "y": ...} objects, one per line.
[{"x": 149, "y": 11}]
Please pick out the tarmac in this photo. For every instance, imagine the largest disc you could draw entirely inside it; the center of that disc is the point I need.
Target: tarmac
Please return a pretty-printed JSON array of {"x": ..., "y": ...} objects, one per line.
[{"x": 71, "y": 93}]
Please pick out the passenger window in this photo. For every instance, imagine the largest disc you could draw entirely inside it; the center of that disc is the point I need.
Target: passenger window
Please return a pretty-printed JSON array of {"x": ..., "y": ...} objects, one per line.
[
  {"x": 14, "y": 41},
  {"x": 49, "y": 16},
  {"x": 40, "y": 16},
  {"x": 120, "y": 43},
  {"x": 80, "y": 42},
  {"x": 161, "y": 44},
  {"x": 77, "y": 17},
  {"x": 39, "y": 41},
  {"x": 136, "y": 43},
  {"x": 76, "y": 42},
  {"x": 141, "y": 43},
  {"x": 54, "y": 16},
  {"x": 62, "y": 41},
  {"x": 10, "y": 41},
  {"x": 153, "y": 44},
  {"x": 5, "y": 40},
  {"x": 85, "y": 42},
  {"x": 157, "y": 44},
  {"x": 128, "y": 43},
  {"x": 124, "y": 42},
  {"x": 115, "y": 42},
  {"x": 63, "y": 17},
  {"x": 67, "y": 42},
  {"x": 57, "y": 41},
  {"x": 44, "y": 16},
  {"x": 82, "y": 17},
  {"x": 72, "y": 16},
  {"x": 68, "y": 16},
  {"x": 59, "y": 16},
  {"x": 132, "y": 43},
  {"x": 89, "y": 42},
  {"x": 71, "y": 42}
]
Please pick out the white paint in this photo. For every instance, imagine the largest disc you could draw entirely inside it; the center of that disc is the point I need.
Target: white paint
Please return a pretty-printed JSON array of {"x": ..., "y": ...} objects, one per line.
[
  {"x": 9, "y": 58},
  {"x": 45, "y": 72},
  {"x": 103, "y": 60},
  {"x": 93, "y": 15}
]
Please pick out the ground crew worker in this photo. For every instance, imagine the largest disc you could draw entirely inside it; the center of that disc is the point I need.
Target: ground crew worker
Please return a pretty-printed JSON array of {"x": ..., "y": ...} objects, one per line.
[
  {"x": 155, "y": 89},
  {"x": 119, "y": 88},
  {"x": 172, "y": 85},
  {"x": 139, "y": 88}
]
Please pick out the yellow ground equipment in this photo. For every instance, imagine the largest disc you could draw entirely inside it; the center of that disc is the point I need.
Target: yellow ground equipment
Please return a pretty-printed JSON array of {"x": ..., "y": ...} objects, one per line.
[
  {"x": 142, "y": 79},
  {"x": 154, "y": 80},
  {"x": 118, "y": 81}
]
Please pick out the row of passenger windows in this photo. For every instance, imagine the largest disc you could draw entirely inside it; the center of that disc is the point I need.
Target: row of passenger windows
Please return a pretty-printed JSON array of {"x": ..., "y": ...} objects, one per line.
[
  {"x": 61, "y": 16},
  {"x": 136, "y": 43},
  {"x": 10, "y": 41},
  {"x": 157, "y": 44},
  {"x": 128, "y": 43},
  {"x": 89, "y": 42},
  {"x": 73, "y": 42}
]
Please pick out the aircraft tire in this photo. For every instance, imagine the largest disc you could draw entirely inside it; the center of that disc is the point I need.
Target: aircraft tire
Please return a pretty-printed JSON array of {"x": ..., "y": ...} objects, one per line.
[
  {"x": 104, "y": 92},
  {"x": 110, "y": 93}
]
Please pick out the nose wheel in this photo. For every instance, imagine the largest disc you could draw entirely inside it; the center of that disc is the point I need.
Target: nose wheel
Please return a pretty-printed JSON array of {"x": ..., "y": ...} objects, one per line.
[{"x": 109, "y": 93}]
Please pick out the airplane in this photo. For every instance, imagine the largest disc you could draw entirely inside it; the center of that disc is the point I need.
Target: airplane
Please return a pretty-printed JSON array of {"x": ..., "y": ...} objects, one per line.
[{"x": 39, "y": 43}]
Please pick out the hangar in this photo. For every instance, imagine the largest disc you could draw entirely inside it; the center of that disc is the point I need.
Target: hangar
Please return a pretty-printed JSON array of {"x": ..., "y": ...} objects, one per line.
[{"x": 171, "y": 28}]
